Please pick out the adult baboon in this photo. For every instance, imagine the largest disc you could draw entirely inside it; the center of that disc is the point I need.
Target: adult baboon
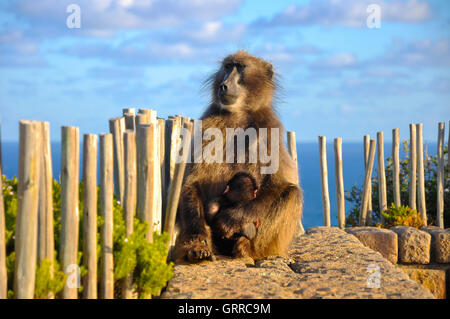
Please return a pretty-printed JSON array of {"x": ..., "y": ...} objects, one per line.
[{"x": 242, "y": 97}]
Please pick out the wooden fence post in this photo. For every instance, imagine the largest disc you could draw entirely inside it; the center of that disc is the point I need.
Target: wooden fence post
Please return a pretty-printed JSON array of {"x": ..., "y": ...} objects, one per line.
[
  {"x": 440, "y": 176},
  {"x": 129, "y": 110},
  {"x": 292, "y": 148},
  {"x": 141, "y": 119},
  {"x": 420, "y": 174},
  {"x": 382, "y": 197},
  {"x": 367, "y": 180},
  {"x": 146, "y": 160},
  {"x": 396, "y": 167},
  {"x": 366, "y": 163},
  {"x": 324, "y": 180},
  {"x": 46, "y": 245},
  {"x": 3, "y": 273},
  {"x": 157, "y": 215},
  {"x": 339, "y": 176},
  {"x": 150, "y": 118},
  {"x": 106, "y": 202},
  {"x": 70, "y": 157},
  {"x": 90, "y": 215},
  {"x": 412, "y": 167},
  {"x": 172, "y": 136},
  {"x": 129, "y": 121},
  {"x": 162, "y": 165},
  {"x": 175, "y": 188},
  {"x": 129, "y": 203},
  {"x": 27, "y": 213},
  {"x": 117, "y": 127}
]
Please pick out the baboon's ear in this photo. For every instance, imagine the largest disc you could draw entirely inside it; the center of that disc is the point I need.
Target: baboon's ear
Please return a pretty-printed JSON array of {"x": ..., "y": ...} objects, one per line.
[{"x": 269, "y": 68}]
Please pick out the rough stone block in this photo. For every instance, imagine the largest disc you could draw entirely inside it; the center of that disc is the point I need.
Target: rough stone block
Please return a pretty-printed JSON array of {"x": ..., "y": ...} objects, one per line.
[
  {"x": 413, "y": 245},
  {"x": 432, "y": 279},
  {"x": 440, "y": 243},
  {"x": 323, "y": 263},
  {"x": 381, "y": 240}
]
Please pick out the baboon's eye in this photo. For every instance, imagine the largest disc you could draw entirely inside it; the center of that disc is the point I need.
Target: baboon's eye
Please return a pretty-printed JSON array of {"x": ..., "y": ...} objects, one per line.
[
  {"x": 228, "y": 66},
  {"x": 240, "y": 67}
]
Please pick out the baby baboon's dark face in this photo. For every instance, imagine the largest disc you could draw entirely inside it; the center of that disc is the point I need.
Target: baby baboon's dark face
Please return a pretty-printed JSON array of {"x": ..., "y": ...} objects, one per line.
[{"x": 241, "y": 188}]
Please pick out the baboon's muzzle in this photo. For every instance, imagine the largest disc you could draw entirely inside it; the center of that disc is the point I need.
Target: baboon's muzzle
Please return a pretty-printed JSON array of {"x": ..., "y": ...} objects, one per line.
[{"x": 229, "y": 88}]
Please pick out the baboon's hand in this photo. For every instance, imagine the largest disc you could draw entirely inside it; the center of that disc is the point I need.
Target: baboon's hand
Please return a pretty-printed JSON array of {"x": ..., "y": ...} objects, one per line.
[{"x": 197, "y": 249}]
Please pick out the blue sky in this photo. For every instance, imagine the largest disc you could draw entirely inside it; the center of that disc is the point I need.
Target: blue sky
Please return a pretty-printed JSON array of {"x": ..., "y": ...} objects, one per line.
[{"x": 337, "y": 76}]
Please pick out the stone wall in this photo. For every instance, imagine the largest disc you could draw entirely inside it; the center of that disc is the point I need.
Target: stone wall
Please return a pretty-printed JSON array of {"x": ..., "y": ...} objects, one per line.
[
  {"x": 322, "y": 263},
  {"x": 424, "y": 254}
]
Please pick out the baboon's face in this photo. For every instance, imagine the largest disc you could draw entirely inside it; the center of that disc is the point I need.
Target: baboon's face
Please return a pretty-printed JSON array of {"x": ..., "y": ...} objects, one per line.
[
  {"x": 231, "y": 87},
  {"x": 243, "y": 81},
  {"x": 241, "y": 189}
]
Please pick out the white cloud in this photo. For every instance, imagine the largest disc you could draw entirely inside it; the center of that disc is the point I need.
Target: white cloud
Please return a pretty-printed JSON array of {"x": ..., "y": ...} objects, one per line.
[
  {"x": 336, "y": 61},
  {"x": 349, "y": 13},
  {"x": 110, "y": 15},
  {"x": 424, "y": 52},
  {"x": 17, "y": 50}
]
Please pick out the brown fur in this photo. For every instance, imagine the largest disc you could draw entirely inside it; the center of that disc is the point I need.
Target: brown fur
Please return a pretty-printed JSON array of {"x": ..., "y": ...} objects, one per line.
[
  {"x": 278, "y": 204},
  {"x": 241, "y": 189}
]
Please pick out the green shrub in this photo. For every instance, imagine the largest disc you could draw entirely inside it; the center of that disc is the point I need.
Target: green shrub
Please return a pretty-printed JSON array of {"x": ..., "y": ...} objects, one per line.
[
  {"x": 430, "y": 173},
  {"x": 147, "y": 261},
  {"x": 402, "y": 216},
  {"x": 46, "y": 283}
]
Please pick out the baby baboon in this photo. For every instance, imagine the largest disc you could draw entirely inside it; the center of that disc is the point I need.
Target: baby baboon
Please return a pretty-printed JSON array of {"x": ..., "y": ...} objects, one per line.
[
  {"x": 240, "y": 190},
  {"x": 242, "y": 96}
]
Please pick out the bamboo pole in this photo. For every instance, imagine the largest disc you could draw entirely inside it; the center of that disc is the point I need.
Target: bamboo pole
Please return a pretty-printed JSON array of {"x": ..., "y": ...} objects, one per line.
[
  {"x": 157, "y": 213},
  {"x": 396, "y": 167},
  {"x": 157, "y": 198},
  {"x": 440, "y": 176},
  {"x": 90, "y": 215},
  {"x": 3, "y": 273},
  {"x": 146, "y": 160},
  {"x": 117, "y": 127},
  {"x": 172, "y": 137},
  {"x": 382, "y": 196},
  {"x": 412, "y": 167},
  {"x": 45, "y": 212},
  {"x": 162, "y": 165},
  {"x": 339, "y": 177},
  {"x": 175, "y": 189},
  {"x": 420, "y": 175},
  {"x": 367, "y": 181},
  {"x": 70, "y": 157},
  {"x": 27, "y": 213},
  {"x": 292, "y": 148},
  {"x": 150, "y": 115},
  {"x": 324, "y": 180},
  {"x": 129, "y": 198},
  {"x": 129, "y": 121},
  {"x": 366, "y": 163},
  {"x": 141, "y": 119},
  {"x": 106, "y": 202},
  {"x": 130, "y": 110}
]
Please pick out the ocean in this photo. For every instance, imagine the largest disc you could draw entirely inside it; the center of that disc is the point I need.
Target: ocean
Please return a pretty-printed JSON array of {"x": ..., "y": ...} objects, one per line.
[{"x": 309, "y": 170}]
